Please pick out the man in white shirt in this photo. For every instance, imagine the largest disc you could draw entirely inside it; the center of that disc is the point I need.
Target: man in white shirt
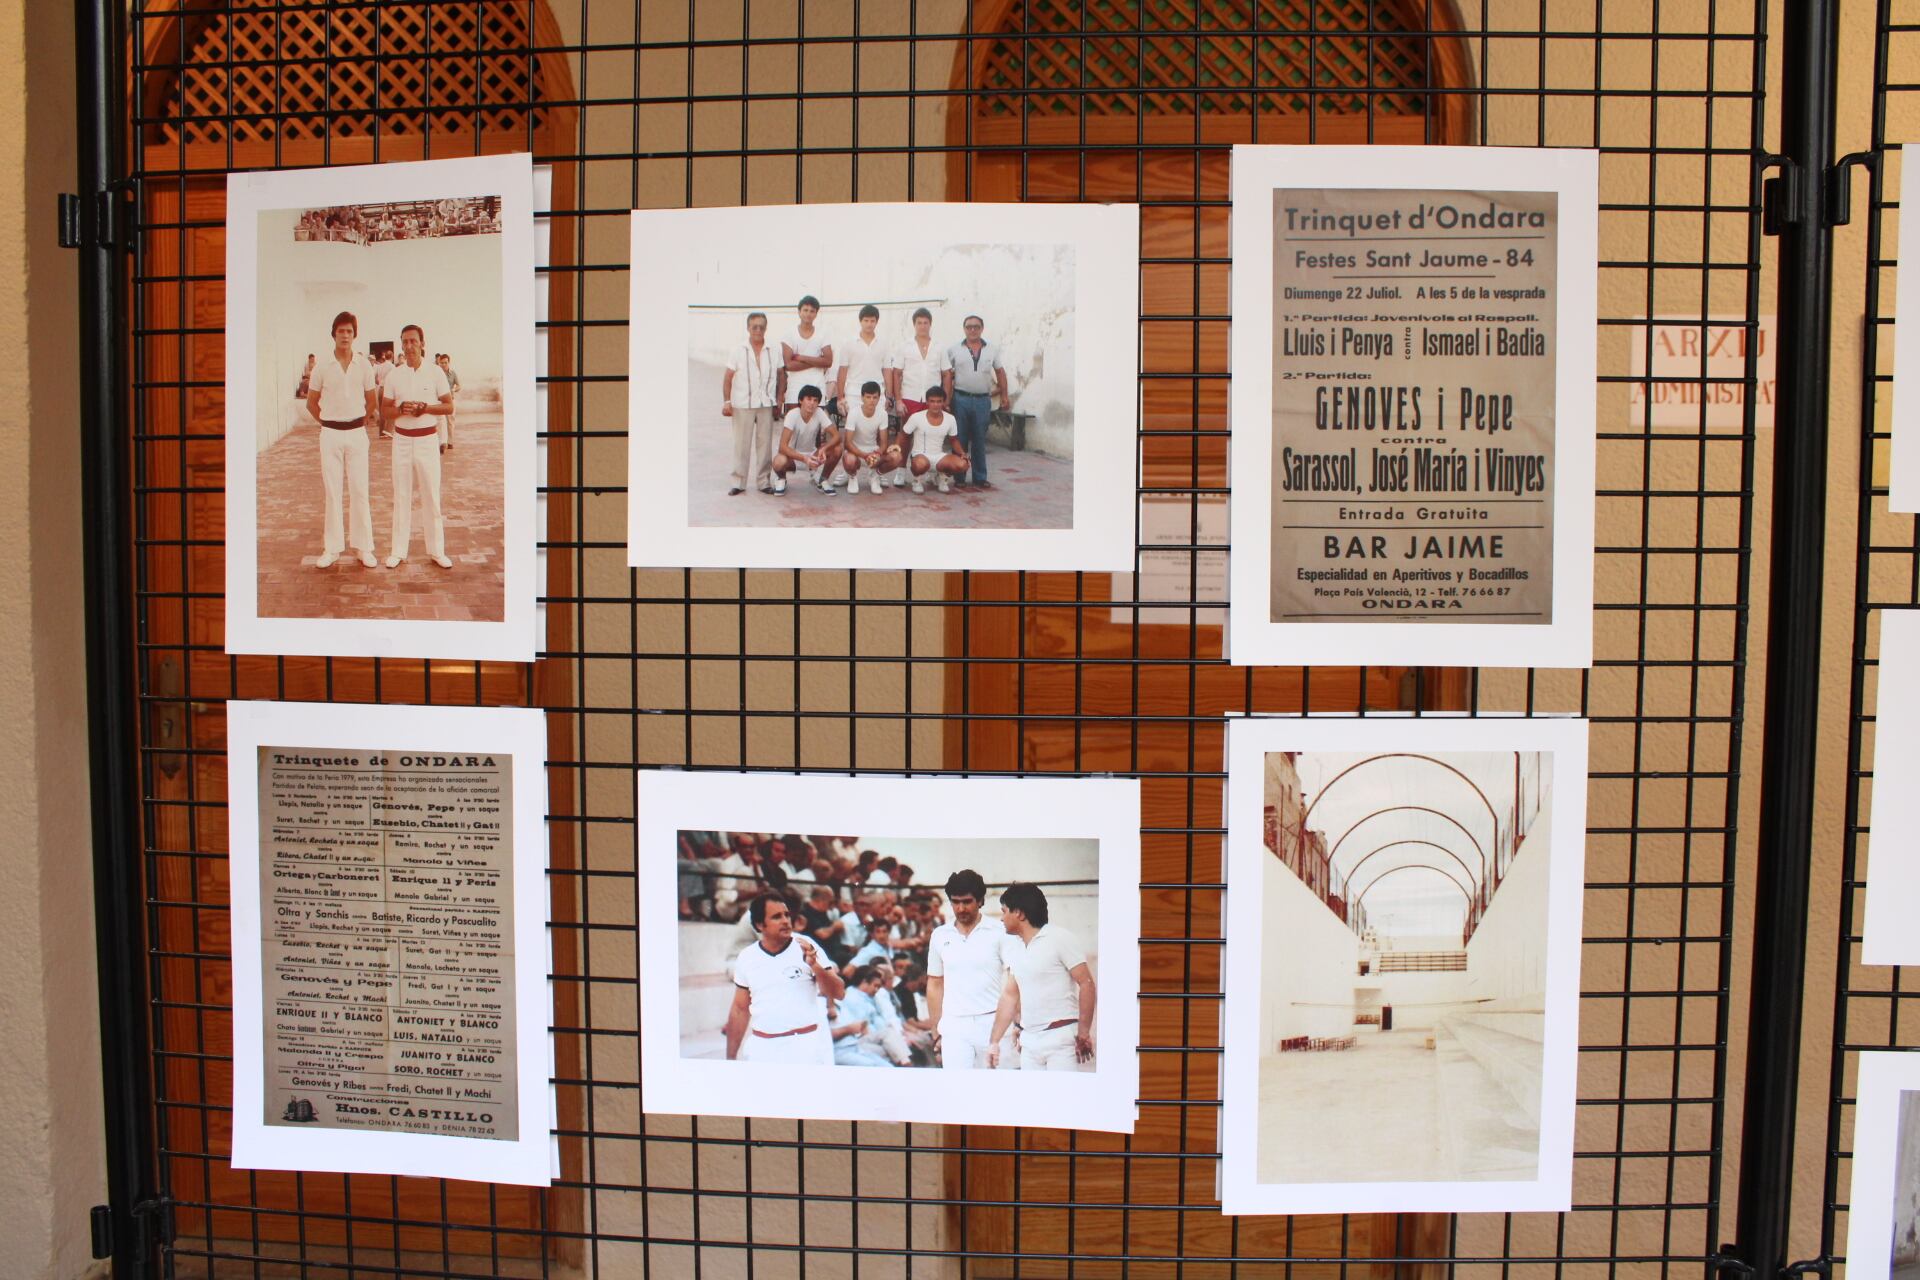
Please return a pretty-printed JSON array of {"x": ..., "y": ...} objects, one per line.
[
  {"x": 780, "y": 992},
  {"x": 382, "y": 366},
  {"x": 864, "y": 442},
  {"x": 1049, "y": 988},
  {"x": 975, "y": 374},
  {"x": 806, "y": 356},
  {"x": 750, "y": 395},
  {"x": 936, "y": 443},
  {"x": 912, "y": 367},
  {"x": 966, "y": 971},
  {"x": 417, "y": 397},
  {"x": 810, "y": 441},
  {"x": 342, "y": 394},
  {"x": 863, "y": 359}
]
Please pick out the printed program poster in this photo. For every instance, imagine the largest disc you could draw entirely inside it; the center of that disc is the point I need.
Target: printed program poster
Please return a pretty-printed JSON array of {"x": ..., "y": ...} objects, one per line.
[
  {"x": 388, "y": 953},
  {"x": 1427, "y": 408}
]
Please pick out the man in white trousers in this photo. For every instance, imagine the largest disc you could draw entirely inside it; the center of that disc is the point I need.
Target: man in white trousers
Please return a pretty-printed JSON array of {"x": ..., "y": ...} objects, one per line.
[
  {"x": 417, "y": 397},
  {"x": 750, "y": 395},
  {"x": 1049, "y": 988},
  {"x": 966, "y": 969},
  {"x": 341, "y": 393},
  {"x": 781, "y": 986}
]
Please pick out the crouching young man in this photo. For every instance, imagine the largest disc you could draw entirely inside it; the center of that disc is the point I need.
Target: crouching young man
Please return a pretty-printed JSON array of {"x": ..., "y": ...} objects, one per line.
[
  {"x": 808, "y": 439},
  {"x": 864, "y": 445},
  {"x": 936, "y": 444}
]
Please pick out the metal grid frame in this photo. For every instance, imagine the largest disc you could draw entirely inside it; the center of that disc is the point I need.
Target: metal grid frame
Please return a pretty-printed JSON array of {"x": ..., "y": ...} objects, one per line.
[
  {"x": 1648, "y": 1172},
  {"x": 1874, "y": 1005}
]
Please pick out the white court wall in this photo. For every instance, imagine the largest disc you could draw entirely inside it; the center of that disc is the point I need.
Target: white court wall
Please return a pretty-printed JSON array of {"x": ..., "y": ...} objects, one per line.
[
  {"x": 1418, "y": 999},
  {"x": 1508, "y": 954},
  {"x": 1024, "y": 293},
  {"x": 445, "y": 285},
  {"x": 1309, "y": 963}
]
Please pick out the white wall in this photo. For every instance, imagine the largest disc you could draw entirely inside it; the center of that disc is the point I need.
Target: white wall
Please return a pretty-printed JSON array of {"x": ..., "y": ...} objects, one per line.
[
  {"x": 1309, "y": 962},
  {"x": 1508, "y": 954},
  {"x": 1418, "y": 999},
  {"x": 1023, "y": 292},
  {"x": 445, "y": 285}
]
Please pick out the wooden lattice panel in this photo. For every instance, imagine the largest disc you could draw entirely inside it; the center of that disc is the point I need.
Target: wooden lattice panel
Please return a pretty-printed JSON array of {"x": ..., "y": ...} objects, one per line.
[
  {"x": 1312, "y": 55},
  {"x": 262, "y": 74}
]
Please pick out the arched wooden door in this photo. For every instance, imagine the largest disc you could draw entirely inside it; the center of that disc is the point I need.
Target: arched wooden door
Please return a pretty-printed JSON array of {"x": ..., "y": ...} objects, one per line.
[
  {"x": 267, "y": 86},
  {"x": 1138, "y": 100}
]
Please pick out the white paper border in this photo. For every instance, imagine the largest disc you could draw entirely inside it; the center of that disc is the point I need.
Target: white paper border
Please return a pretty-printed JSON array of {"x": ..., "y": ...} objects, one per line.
[
  {"x": 1568, "y": 640},
  {"x": 1106, "y": 809},
  {"x": 1903, "y": 458},
  {"x": 529, "y": 1160},
  {"x": 1883, "y": 1077},
  {"x": 1893, "y": 869},
  {"x": 1248, "y": 741},
  {"x": 513, "y": 638},
  {"x": 1106, "y": 386}
]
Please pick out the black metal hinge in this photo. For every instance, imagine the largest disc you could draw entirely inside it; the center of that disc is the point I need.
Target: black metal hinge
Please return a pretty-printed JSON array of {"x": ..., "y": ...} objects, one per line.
[
  {"x": 1726, "y": 1261},
  {"x": 153, "y": 1227},
  {"x": 1783, "y": 198},
  {"x": 91, "y": 221}
]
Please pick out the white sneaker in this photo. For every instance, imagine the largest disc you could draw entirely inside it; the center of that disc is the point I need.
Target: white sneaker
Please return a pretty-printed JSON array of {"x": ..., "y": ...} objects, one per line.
[
  {"x": 326, "y": 561},
  {"x": 918, "y": 485},
  {"x": 394, "y": 562},
  {"x": 899, "y": 477},
  {"x": 366, "y": 558},
  {"x": 779, "y": 487},
  {"x": 826, "y": 487},
  {"x": 946, "y": 483},
  {"x": 873, "y": 482},
  {"x": 443, "y": 562}
]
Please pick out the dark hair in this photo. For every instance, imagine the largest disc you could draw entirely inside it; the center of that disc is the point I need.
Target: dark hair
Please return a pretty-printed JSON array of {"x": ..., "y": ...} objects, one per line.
[
  {"x": 417, "y": 329},
  {"x": 908, "y": 972},
  {"x": 970, "y": 319},
  {"x": 967, "y": 884},
  {"x": 922, "y": 311},
  {"x": 869, "y": 310},
  {"x": 888, "y": 863},
  {"x": 345, "y": 317},
  {"x": 881, "y": 922},
  {"x": 865, "y": 973},
  {"x": 1027, "y": 900},
  {"x": 757, "y": 909},
  {"x": 904, "y": 870},
  {"x": 810, "y": 390},
  {"x": 869, "y": 388},
  {"x": 809, "y": 301},
  {"x": 775, "y": 875},
  {"x": 932, "y": 392},
  {"x": 761, "y": 316}
]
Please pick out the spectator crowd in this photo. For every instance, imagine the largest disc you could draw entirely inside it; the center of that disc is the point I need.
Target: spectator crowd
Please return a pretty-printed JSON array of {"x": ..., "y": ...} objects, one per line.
[{"x": 401, "y": 220}]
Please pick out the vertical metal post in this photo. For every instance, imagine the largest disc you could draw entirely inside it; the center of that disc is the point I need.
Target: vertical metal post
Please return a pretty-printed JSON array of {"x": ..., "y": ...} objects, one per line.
[
  {"x": 1799, "y": 211},
  {"x": 112, "y": 740}
]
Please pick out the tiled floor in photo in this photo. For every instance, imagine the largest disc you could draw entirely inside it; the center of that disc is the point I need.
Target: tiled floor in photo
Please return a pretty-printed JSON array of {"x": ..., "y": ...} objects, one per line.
[{"x": 290, "y": 511}]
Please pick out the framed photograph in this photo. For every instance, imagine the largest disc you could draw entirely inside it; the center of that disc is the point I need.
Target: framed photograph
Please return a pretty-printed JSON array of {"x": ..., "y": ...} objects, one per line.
[
  {"x": 381, "y": 435},
  {"x": 1893, "y": 869},
  {"x": 389, "y": 912},
  {"x": 1883, "y": 1205},
  {"x": 972, "y": 959},
  {"x": 1402, "y": 960},
  {"x": 975, "y": 377},
  {"x": 1413, "y": 405}
]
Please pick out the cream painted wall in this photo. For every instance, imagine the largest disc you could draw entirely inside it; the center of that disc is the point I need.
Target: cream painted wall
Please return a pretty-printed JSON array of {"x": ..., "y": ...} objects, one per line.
[{"x": 51, "y": 1152}]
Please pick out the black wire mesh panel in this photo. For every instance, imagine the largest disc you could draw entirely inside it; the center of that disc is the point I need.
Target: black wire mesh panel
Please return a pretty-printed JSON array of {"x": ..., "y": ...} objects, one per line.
[
  {"x": 753, "y": 101},
  {"x": 1874, "y": 1005}
]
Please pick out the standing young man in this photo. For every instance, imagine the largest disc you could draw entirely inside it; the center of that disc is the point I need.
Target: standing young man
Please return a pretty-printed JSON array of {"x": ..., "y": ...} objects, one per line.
[
  {"x": 780, "y": 990},
  {"x": 966, "y": 970},
  {"x": 974, "y": 376},
  {"x": 750, "y": 395},
  {"x": 915, "y": 364},
  {"x": 1049, "y": 989},
  {"x": 807, "y": 439},
  {"x": 417, "y": 397},
  {"x": 382, "y": 366},
  {"x": 863, "y": 359},
  {"x": 343, "y": 396},
  {"x": 936, "y": 443},
  {"x": 445, "y": 362},
  {"x": 806, "y": 356},
  {"x": 864, "y": 442}
]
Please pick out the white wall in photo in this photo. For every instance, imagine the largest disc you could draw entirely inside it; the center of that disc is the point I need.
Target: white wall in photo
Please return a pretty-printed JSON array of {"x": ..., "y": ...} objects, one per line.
[
  {"x": 1024, "y": 293},
  {"x": 1309, "y": 962},
  {"x": 1507, "y": 955},
  {"x": 430, "y": 282}
]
